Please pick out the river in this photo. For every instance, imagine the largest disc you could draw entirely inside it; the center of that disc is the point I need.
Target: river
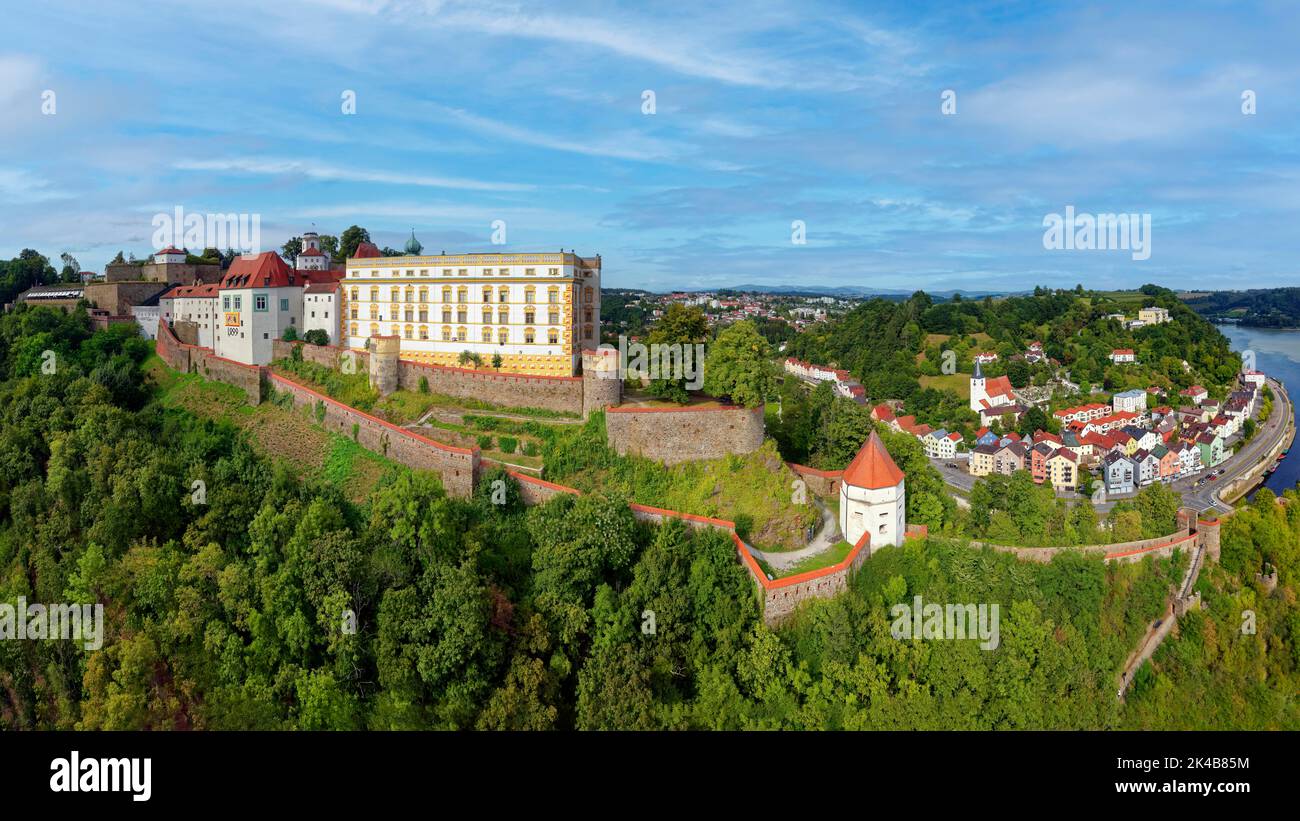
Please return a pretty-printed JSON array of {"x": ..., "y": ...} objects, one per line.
[{"x": 1277, "y": 353}]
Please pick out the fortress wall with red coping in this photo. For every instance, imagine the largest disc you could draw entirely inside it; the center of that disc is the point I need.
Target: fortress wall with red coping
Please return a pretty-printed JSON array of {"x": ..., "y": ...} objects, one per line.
[
  {"x": 458, "y": 467},
  {"x": 824, "y": 483},
  {"x": 672, "y": 435},
  {"x": 193, "y": 359},
  {"x": 557, "y": 393},
  {"x": 535, "y": 491}
]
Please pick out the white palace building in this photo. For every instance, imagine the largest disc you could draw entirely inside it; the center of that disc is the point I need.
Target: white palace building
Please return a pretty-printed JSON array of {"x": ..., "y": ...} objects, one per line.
[{"x": 536, "y": 311}]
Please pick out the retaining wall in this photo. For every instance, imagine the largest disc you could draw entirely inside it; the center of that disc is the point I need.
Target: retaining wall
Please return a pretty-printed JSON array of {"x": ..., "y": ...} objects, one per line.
[
  {"x": 672, "y": 435},
  {"x": 458, "y": 467}
]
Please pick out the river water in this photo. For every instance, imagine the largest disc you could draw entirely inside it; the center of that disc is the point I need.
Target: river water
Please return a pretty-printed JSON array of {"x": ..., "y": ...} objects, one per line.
[{"x": 1277, "y": 353}]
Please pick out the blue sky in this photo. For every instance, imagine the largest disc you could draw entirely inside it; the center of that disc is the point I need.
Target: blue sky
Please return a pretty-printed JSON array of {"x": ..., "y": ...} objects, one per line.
[{"x": 765, "y": 113}]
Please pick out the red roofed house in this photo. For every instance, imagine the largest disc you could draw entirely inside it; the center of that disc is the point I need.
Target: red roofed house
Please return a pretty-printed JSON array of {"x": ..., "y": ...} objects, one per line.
[
  {"x": 1196, "y": 393},
  {"x": 1122, "y": 355},
  {"x": 260, "y": 297},
  {"x": 986, "y": 394},
  {"x": 873, "y": 498}
]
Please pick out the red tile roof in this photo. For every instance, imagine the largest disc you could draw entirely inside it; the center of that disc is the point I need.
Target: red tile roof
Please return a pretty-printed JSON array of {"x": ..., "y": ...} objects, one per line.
[
  {"x": 873, "y": 468},
  {"x": 366, "y": 250}
]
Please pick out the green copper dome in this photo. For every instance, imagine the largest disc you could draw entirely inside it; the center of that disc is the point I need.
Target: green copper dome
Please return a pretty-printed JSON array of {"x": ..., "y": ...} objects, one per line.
[{"x": 413, "y": 246}]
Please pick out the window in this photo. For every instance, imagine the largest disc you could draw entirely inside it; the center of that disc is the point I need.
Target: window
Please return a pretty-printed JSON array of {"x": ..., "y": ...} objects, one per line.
[
  {"x": 395, "y": 294},
  {"x": 487, "y": 334},
  {"x": 530, "y": 295},
  {"x": 355, "y": 292},
  {"x": 503, "y": 295},
  {"x": 487, "y": 316},
  {"x": 424, "y": 314},
  {"x": 424, "y": 332},
  {"x": 503, "y": 317},
  {"x": 225, "y": 303},
  {"x": 446, "y": 293},
  {"x": 555, "y": 272},
  {"x": 461, "y": 335},
  {"x": 238, "y": 302},
  {"x": 284, "y": 304},
  {"x": 503, "y": 336},
  {"x": 553, "y": 336},
  {"x": 553, "y": 318},
  {"x": 462, "y": 272},
  {"x": 530, "y": 272},
  {"x": 395, "y": 331},
  {"x": 529, "y": 316},
  {"x": 586, "y": 332},
  {"x": 410, "y": 294},
  {"x": 409, "y": 313},
  {"x": 553, "y": 296},
  {"x": 446, "y": 334},
  {"x": 462, "y": 315},
  {"x": 374, "y": 311},
  {"x": 462, "y": 295},
  {"x": 374, "y": 329},
  {"x": 503, "y": 271},
  {"x": 446, "y": 314},
  {"x": 446, "y": 272},
  {"x": 487, "y": 272},
  {"x": 424, "y": 294},
  {"x": 586, "y": 315},
  {"x": 487, "y": 293},
  {"x": 528, "y": 335},
  {"x": 353, "y": 329},
  {"x": 586, "y": 294},
  {"x": 407, "y": 331}
]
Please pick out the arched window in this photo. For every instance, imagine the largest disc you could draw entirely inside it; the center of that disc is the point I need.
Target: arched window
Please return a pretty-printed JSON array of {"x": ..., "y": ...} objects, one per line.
[
  {"x": 553, "y": 336},
  {"x": 462, "y": 295},
  {"x": 424, "y": 294},
  {"x": 503, "y": 295},
  {"x": 374, "y": 311},
  {"x": 461, "y": 334},
  {"x": 503, "y": 317},
  {"x": 352, "y": 309},
  {"x": 446, "y": 294},
  {"x": 487, "y": 334},
  {"x": 374, "y": 329},
  {"x": 553, "y": 295},
  {"x": 374, "y": 293},
  {"x": 529, "y": 335},
  {"x": 354, "y": 329},
  {"x": 530, "y": 295},
  {"x": 503, "y": 336},
  {"x": 487, "y": 293},
  {"x": 410, "y": 294},
  {"x": 355, "y": 292},
  {"x": 424, "y": 331},
  {"x": 487, "y": 316},
  {"x": 446, "y": 334},
  {"x": 407, "y": 331},
  {"x": 395, "y": 332},
  {"x": 586, "y": 332},
  {"x": 446, "y": 314},
  {"x": 586, "y": 294},
  {"x": 396, "y": 294}
]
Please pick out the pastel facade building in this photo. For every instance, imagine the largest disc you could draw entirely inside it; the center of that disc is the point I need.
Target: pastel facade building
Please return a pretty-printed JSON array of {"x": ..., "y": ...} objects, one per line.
[
  {"x": 538, "y": 312},
  {"x": 260, "y": 296}
]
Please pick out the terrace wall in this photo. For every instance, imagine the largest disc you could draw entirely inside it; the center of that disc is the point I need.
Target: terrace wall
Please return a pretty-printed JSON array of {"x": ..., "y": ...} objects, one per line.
[{"x": 672, "y": 435}]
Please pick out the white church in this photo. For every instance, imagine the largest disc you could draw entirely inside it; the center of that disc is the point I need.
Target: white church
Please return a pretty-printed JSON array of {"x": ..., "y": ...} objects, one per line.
[{"x": 873, "y": 498}]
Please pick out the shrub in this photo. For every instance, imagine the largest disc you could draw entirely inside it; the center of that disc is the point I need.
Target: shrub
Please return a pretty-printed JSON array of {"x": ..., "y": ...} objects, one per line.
[
  {"x": 424, "y": 384},
  {"x": 317, "y": 336},
  {"x": 507, "y": 443},
  {"x": 290, "y": 334},
  {"x": 530, "y": 448},
  {"x": 485, "y": 442}
]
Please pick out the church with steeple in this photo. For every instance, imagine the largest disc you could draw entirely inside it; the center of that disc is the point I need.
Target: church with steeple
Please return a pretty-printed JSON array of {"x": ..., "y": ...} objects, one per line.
[{"x": 986, "y": 394}]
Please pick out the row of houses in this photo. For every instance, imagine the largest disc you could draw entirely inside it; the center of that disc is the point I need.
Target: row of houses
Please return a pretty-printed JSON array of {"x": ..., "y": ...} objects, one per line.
[
  {"x": 939, "y": 443},
  {"x": 845, "y": 385}
]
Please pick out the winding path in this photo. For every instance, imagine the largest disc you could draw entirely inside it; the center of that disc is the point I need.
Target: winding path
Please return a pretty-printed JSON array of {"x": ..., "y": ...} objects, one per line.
[{"x": 823, "y": 540}]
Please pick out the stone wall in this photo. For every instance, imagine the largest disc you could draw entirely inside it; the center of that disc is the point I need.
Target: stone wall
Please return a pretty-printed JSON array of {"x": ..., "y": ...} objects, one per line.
[
  {"x": 193, "y": 359},
  {"x": 601, "y": 386},
  {"x": 535, "y": 491},
  {"x": 823, "y": 483},
  {"x": 118, "y": 297},
  {"x": 1120, "y": 551},
  {"x": 562, "y": 394},
  {"x": 671, "y": 435},
  {"x": 458, "y": 467}
]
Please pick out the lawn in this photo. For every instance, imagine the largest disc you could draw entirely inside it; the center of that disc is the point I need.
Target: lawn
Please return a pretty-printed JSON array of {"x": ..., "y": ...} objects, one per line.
[
  {"x": 816, "y": 562},
  {"x": 958, "y": 383}
]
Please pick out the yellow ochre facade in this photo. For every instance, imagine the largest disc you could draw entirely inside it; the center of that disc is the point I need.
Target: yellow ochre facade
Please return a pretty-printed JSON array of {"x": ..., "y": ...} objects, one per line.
[{"x": 536, "y": 311}]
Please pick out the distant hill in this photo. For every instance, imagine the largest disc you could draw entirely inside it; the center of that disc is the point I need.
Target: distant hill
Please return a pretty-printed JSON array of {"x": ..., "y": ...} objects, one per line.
[{"x": 1262, "y": 308}]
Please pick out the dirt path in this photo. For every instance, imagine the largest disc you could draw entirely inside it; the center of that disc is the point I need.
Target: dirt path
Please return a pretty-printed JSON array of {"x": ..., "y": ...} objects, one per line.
[{"x": 823, "y": 540}]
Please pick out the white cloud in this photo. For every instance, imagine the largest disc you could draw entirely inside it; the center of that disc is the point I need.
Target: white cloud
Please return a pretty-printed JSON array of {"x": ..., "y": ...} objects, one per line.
[{"x": 264, "y": 166}]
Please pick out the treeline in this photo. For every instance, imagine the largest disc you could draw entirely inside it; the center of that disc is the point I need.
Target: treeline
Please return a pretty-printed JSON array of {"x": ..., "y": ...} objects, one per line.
[
  {"x": 1263, "y": 308},
  {"x": 879, "y": 341}
]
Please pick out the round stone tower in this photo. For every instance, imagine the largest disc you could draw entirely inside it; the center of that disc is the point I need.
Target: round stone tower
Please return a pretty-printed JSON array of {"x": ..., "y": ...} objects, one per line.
[
  {"x": 1207, "y": 533},
  {"x": 601, "y": 385},
  {"x": 383, "y": 363}
]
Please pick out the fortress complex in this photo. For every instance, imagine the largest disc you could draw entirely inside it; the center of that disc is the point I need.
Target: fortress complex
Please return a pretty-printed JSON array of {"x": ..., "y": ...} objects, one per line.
[{"x": 536, "y": 311}]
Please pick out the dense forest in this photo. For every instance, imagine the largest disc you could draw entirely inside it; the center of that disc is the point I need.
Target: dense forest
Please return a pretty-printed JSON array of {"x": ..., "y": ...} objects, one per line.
[
  {"x": 1264, "y": 308},
  {"x": 232, "y": 610}
]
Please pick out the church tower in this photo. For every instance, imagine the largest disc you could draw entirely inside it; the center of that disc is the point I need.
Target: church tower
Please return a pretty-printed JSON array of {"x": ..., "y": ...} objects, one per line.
[
  {"x": 873, "y": 498},
  {"x": 978, "y": 391},
  {"x": 311, "y": 258}
]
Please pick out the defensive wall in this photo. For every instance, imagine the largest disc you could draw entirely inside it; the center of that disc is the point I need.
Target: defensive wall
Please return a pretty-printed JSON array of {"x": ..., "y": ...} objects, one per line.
[
  {"x": 194, "y": 359},
  {"x": 1192, "y": 532},
  {"x": 671, "y": 435}
]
